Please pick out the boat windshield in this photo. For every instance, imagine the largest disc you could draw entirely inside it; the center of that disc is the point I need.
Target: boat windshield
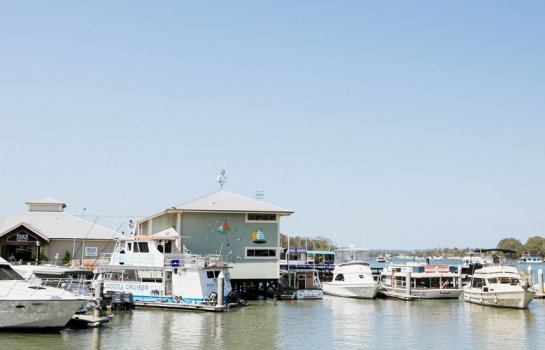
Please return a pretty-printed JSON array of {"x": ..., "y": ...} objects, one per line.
[
  {"x": 8, "y": 274},
  {"x": 508, "y": 280}
]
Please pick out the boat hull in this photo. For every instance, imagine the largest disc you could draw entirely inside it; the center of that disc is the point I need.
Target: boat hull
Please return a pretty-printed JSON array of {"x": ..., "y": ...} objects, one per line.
[
  {"x": 401, "y": 293},
  {"x": 512, "y": 299},
  {"x": 37, "y": 314},
  {"x": 351, "y": 290},
  {"x": 301, "y": 294}
]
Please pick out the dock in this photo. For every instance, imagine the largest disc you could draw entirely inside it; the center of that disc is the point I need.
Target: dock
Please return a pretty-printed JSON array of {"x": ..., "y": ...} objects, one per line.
[
  {"x": 212, "y": 307},
  {"x": 84, "y": 321}
]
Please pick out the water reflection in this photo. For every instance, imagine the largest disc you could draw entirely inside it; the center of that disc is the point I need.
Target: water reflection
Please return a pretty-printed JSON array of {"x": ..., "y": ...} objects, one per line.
[{"x": 333, "y": 322}]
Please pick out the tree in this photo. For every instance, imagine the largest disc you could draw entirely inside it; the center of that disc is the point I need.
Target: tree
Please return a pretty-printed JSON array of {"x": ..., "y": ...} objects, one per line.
[
  {"x": 513, "y": 244},
  {"x": 66, "y": 257},
  {"x": 535, "y": 246}
]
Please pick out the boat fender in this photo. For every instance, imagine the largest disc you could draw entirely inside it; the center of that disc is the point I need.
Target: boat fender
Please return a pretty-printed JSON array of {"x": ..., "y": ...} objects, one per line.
[{"x": 176, "y": 299}]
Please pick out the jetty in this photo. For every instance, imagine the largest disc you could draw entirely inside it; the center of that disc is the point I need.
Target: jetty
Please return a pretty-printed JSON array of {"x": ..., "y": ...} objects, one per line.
[
  {"x": 84, "y": 321},
  {"x": 203, "y": 306}
]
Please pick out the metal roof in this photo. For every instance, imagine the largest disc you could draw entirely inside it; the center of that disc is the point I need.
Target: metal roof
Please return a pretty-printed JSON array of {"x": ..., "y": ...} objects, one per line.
[
  {"x": 46, "y": 200},
  {"x": 230, "y": 202},
  {"x": 57, "y": 225}
]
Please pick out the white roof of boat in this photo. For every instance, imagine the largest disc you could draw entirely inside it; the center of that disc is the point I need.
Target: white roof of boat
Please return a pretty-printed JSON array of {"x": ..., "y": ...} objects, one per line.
[
  {"x": 168, "y": 234},
  {"x": 230, "y": 202},
  {"x": 491, "y": 269}
]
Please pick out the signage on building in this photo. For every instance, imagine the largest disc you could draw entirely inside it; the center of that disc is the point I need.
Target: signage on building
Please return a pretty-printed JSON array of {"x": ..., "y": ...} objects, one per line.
[
  {"x": 91, "y": 251},
  {"x": 21, "y": 237}
]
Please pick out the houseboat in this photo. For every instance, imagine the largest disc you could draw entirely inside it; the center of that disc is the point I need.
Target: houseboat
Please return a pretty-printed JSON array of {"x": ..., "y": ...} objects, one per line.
[
  {"x": 530, "y": 259},
  {"x": 299, "y": 284},
  {"x": 420, "y": 281}
]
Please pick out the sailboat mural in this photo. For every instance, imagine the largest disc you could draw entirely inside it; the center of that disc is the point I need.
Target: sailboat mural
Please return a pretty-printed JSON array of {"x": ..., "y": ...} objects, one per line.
[
  {"x": 224, "y": 228},
  {"x": 258, "y": 236}
]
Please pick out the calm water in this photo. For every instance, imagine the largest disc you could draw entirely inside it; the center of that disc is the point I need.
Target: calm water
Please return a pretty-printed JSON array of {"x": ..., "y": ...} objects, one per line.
[
  {"x": 331, "y": 323},
  {"x": 322, "y": 324}
]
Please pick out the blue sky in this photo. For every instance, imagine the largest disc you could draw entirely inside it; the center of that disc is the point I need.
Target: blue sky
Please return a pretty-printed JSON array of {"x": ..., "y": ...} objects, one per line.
[{"x": 417, "y": 124}]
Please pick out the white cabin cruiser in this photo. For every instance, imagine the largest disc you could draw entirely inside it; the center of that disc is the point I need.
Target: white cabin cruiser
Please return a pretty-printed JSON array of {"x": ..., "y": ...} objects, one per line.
[
  {"x": 352, "y": 276},
  {"x": 26, "y": 305},
  {"x": 76, "y": 280},
  {"x": 154, "y": 268},
  {"x": 499, "y": 285},
  {"x": 420, "y": 281}
]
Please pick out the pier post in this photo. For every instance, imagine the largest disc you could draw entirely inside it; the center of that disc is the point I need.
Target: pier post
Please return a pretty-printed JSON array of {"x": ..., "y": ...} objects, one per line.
[
  {"x": 540, "y": 281},
  {"x": 98, "y": 297},
  {"x": 530, "y": 277},
  {"x": 408, "y": 283},
  {"x": 221, "y": 279},
  {"x": 459, "y": 276}
]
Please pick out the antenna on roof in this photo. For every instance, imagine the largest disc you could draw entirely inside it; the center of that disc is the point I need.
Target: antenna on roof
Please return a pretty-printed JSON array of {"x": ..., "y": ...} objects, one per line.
[
  {"x": 259, "y": 195},
  {"x": 222, "y": 179}
]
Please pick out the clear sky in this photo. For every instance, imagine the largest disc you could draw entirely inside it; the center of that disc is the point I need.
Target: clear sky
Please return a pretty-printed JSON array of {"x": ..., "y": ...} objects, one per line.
[{"x": 415, "y": 124}]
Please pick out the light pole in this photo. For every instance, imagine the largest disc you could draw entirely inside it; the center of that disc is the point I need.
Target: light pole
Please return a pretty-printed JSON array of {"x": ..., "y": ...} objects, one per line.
[{"x": 38, "y": 243}]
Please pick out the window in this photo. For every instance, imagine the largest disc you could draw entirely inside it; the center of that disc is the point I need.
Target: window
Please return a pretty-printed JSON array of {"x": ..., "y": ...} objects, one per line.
[
  {"x": 212, "y": 274},
  {"x": 477, "y": 283},
  {"x": 143, "y": 247},
  {"x": 260, "y": 217},
  {"x": 340, "y": 277},
  {"x": 260, "y": 253}
]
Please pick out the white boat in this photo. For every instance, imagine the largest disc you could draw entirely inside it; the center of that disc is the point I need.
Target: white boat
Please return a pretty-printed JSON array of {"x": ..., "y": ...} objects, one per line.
[
  {"x": 499, "y": 285},
  {"x": 352, "y": 276},
  {"x": 421, "y": 281},
  {"x": 380, "y": 258},
  {"x": 158, "y": 269},
  {"x": 25, "y": 305},
  {"x": 476, "y": 258},
  {"x": 530, "y": 259},
  {"x": 299, "y": 284},
  {"x": 76, "y": 280}
]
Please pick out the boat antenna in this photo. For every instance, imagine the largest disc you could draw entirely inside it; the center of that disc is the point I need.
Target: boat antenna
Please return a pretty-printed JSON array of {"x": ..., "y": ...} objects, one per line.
[
  {"x": 222, "y": 179},
  {"x": 107, "y": 244},
  {"x": 336, "y": 240},
  {"x": 83, "y": 241}
]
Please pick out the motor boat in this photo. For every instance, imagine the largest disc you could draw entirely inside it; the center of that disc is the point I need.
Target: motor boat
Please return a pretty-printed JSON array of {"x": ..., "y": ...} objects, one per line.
[
  {"x": 499, "y": 285},
  {"x": 25, "y": 305},
  {"x": 352, "y": 276},
  {"x": 155, "y": 269},
  {"x": 76, "y": 280}
]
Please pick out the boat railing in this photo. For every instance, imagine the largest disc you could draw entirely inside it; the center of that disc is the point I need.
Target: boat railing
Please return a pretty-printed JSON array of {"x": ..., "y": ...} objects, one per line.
[
  {"x": 173, "y": 260},
  {"x": 193, "y": 260},
  {"x": 36, "y": 284}
]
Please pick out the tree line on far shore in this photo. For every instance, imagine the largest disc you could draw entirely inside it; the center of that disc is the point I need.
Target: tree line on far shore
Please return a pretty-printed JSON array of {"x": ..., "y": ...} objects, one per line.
[{"x": 534, "y": 246}]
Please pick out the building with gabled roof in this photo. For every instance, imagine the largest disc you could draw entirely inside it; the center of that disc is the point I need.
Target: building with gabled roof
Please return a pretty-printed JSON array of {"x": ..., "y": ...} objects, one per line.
[
  {"x": 47, "y": 230},
  {"x": 244, "y": 231}
]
